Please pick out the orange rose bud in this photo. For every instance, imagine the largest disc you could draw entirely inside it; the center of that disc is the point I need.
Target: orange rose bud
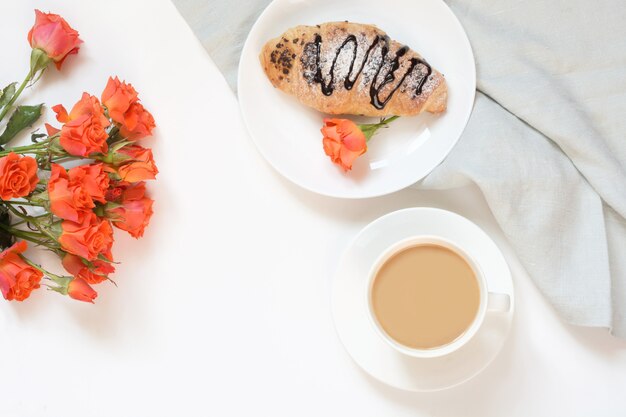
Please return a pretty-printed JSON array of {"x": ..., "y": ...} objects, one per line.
[
  {"x": 17, "y": 278},
  {"x": 115, "y": 193},
  {"x": 138, "y": 122},
  {"x": 88, "y": 239},
  {"x": 117, "y": 98},
  {"x": 18, "y": 176},
  {"x": 52, "y": 34},
  {"x": 135, "y": 210},
  {"x": 122, "y": 103},
  {"x": 92, "y": 178},
  {"x": 80, "y": 290},
  {"x": 343, "y": 141},
  {"x": 84, "y": 130},
  {"x": 139, "y": 166},
  {"x": 93, "y": 272},
  {"x": 68, "y": 200}
]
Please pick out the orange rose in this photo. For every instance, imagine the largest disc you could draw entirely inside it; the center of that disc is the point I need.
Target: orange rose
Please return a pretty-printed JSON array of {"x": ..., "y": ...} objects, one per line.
[
  {"x": 133, "y": 215},
  {"x": 138, "y": 166},
  {"x": 93, "y": 272},
  {"x": 80, "y": 290},
  {"x": 17, "y": 278},
  {"x": 343, "y": 141},
  {"x": 117, "y": 98},
  {"x": 92, "y": 178},
  {"x": 84, "y": 130},
  {"x": 88, "y": 239},
  {"x": 54, "y": 36},
  {"x": 138, "y": 122},
  {"x": 122, "y": 103},
  {"x": 18, "y": 176},
  {"x": 68, "y": 200}
]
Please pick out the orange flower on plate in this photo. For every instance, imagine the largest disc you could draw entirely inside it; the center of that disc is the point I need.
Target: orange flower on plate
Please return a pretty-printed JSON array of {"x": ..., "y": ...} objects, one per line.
[
  {"x": 54, "y": 36},
  {"x": 135, "y": 209},
  {"x": 92, "y": 178},
  {"x": 80, "y": 290},
  {"x": 139, "y": 164},
  {"x": 17, "y": 278},
  {"x": 68, "y": 200},
  {"x": 343, "y": 141},
  {"x": 93, "y": 272},
  {"x": 84, "y": 130},
  {"x": 88, "y": 239},
  {"x": 18, "y": 176}
]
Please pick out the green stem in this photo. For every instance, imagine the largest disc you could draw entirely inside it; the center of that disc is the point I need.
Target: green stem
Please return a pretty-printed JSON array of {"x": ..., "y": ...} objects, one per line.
[
  {"x": 62, "y": 281},
  {"x": 369, "y": 129},
  {"x": 388, "y": 120},
  {"x": 40, "y": 147},
  {"x": 34, "y": 240},
  {"x": 27, "y": 221},
  {"x": 29, "y": 236},
  {"x": 32, "y": 220},
  {"x": 21, "y": 203},
  {"x": 6, "y": 108},
  {"x": 38, "y": 267},
  {"x": 65, "y": 158}
]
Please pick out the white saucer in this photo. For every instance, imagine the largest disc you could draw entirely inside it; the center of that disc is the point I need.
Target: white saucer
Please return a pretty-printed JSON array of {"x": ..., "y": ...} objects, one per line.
[
  {"x": 367, "y": 347},
  {"x": 287, "y": 133}
]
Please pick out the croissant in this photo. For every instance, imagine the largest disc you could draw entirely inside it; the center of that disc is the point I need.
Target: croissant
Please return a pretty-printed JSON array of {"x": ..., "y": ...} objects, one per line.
[{"x": 352, "y": 68}]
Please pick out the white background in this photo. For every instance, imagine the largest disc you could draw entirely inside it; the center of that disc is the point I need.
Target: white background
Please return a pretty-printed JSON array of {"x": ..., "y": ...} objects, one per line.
[{"x": 223, "y": 308}]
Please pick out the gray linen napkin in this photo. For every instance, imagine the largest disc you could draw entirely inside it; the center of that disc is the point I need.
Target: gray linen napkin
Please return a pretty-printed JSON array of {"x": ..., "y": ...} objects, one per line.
[{"x": 546, "y": 143}]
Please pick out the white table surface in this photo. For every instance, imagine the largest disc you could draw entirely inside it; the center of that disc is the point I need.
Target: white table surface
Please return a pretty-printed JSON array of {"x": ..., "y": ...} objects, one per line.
[{"x": 223, "y": 308}]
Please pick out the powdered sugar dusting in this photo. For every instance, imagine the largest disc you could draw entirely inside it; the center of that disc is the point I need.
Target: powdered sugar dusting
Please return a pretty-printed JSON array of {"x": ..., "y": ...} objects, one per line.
[
  {"x": 339, "y": 59},
  {"x": 413, "y": 81},
  {"x": 374, "y": 62},
  {"x": 309, "y": 62},
  {"x": 343, "y": 62}
]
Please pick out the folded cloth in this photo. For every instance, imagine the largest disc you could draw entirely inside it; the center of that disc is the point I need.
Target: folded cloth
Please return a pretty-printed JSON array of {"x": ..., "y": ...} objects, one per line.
[{"x": 546, "y": 142}]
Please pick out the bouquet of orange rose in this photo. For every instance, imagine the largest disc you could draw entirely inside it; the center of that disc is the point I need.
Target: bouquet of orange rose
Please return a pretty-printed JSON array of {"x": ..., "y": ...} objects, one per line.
[{"x": 70, "y": 212}]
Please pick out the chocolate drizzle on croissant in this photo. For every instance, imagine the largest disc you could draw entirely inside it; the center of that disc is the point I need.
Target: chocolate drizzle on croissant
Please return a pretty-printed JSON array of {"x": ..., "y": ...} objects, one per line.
[{"x": 385, "y": 67}]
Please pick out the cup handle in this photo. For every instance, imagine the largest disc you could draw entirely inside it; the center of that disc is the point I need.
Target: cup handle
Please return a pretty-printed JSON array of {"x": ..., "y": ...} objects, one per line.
[{"x": 498, "y": 302}]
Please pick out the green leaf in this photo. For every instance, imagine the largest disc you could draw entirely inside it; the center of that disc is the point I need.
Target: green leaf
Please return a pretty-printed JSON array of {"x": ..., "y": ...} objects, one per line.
[
  {"x": 23, "y": 117},
  {"x": 6, "y": 94},
  {"x": 6, "y": 238},
  {"x": 41, "y": 198},
  {"x": 34, "y": 137}
]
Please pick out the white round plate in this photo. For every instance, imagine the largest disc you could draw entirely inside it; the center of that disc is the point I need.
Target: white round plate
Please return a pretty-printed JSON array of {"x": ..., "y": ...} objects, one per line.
[
  {"x": 287, "y": 133},
  {"x": 367, "y": 347}
]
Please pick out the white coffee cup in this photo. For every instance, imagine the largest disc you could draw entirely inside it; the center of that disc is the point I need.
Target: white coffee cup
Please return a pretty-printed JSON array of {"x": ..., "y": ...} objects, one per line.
[{"x": 489, "y": 301}]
